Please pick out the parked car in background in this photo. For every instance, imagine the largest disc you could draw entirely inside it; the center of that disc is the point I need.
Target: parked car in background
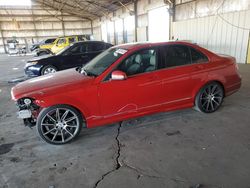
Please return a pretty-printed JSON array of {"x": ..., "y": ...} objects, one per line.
[
  {"x": 62, "y": 42},
  {"x": 124, "y": 82},
  {"x": 75, "y": 55},
  {"x": 45, "y": 42}
]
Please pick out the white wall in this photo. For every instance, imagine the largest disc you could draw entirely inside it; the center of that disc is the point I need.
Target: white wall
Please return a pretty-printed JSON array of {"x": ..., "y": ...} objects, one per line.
[
  {"x": 214, "y": 33},
  {"x": 144, "y": 6}
]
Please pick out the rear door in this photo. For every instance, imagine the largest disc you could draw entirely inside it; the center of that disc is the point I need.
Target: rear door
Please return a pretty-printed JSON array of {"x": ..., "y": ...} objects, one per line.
[
  {"x": 200, "y": 65},
  {"x": 175, "y": 73}
]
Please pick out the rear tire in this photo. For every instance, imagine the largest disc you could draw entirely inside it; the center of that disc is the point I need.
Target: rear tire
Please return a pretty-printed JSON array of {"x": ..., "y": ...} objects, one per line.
[
  {"x": 59, "y": 124},
  {"x": 209, "y": 98}
]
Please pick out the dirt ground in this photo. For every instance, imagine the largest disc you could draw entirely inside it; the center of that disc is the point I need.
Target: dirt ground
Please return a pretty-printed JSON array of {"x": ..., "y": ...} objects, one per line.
[{"x": 180, "y": 149}]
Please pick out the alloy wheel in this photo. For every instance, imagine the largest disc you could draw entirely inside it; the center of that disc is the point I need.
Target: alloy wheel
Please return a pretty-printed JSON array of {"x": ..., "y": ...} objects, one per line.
[
  {"x": 49, "y": 70},
  {"x": 59, "y": 125},
  {"x": 211, "y": 98}
]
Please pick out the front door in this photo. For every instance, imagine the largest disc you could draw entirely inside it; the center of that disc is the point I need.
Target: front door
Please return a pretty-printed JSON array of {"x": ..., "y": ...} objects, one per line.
[
  {"x": 75, "y": 56},
  {"x": 139, "y": 93}
]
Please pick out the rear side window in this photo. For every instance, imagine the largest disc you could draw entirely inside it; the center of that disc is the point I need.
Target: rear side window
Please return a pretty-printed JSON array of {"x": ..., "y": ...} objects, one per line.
[
  {"x": 71, "y": 40},
  {"x": 197, "y": 57},
  {"x": 175, "y": 55},
  {"x": 107, "y": 46},
  {"x": 80, "y": 38},
  {"x": 96, "y": 46}
]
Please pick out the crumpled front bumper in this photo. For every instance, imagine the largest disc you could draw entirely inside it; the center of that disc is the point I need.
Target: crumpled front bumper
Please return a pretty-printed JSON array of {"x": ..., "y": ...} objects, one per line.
[
  {"x": 33, "y": 70},
  {"x": 28, "y": 113}
]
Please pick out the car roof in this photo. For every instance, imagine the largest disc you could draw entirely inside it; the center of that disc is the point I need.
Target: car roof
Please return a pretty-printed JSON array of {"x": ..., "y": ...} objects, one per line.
[
  {"x": 50, "y": 38},
  {"x": 130, "y": 46},
  {"x": 74, "y": 35},
  {"x": 89, "y": 41}
]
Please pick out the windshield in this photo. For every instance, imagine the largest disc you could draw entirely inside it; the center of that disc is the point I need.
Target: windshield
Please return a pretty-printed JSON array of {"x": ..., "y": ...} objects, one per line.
[{"x": 101, "y": 62}]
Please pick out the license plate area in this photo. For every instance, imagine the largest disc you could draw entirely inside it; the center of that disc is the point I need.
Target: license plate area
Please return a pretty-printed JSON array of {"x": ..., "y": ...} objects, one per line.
[{"x": 24, "y": 114}]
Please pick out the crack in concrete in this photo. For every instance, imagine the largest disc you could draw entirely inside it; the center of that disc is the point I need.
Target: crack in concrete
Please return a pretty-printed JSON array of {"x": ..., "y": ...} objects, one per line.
[
  {"x": 118, "y": 154},
  {"x": 139, "y": 171},
  {"x": 118, "y": 164}
]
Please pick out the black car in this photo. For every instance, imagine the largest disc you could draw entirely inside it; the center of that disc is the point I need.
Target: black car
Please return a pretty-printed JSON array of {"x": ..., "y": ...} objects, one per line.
[
  {"x": 45, "y": 41},
  {"x": 75, "y": 55}
]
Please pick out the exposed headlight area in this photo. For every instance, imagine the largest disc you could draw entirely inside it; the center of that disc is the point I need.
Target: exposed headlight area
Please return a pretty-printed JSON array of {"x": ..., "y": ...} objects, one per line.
[
  {"x": 27, "y": 103},
  {"x": 28, "y": 111}
]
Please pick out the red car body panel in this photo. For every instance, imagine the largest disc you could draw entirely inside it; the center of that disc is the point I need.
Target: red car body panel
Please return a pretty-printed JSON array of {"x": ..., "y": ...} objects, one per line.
[{"x": 103, "y": 102}]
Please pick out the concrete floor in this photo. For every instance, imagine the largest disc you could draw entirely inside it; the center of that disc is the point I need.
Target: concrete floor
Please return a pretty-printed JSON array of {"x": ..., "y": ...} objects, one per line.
[{"x": 174, "y": 150}]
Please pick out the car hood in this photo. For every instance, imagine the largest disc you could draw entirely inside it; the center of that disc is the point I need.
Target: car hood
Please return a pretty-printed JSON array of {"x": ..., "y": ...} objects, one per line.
[
  {"x": 41, "y": 57},
  {"x": 49, "y": 84}
]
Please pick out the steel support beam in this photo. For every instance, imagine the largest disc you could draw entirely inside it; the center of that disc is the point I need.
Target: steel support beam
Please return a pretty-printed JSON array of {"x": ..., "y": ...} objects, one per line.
[
  {"x": 92, "y": 29},
  {"x": 63, "y": 26},
  {"x": 35, "y": 29},
  {"x": 2, "y": 37},
  {"x": 136, "y": 18},
  {"x": 115, "y": 40},
  {"x": 124, "y": 33}
]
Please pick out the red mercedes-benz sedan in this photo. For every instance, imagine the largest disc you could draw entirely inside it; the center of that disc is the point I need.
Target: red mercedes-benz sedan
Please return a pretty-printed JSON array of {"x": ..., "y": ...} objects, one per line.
[{"x": 124, "y": 82}]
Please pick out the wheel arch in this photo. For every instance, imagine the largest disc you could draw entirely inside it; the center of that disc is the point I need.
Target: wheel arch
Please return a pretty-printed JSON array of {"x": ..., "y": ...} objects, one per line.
[
  {"x": 80, "y": 112},
  {"x": 83, "y": 111},
  {"x": 197, "y": 90}
]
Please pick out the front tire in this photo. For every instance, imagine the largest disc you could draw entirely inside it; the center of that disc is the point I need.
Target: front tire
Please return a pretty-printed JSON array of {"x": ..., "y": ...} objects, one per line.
[
  {"x": 59, "y": 124},
  {"x": 209, "y": 98},
  {"x": 48, "y": 70}
]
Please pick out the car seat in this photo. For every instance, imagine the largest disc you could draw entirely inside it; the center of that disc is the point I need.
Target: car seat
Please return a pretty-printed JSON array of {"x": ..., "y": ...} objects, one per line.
[
  {"x": 135, "y": 67},
  {"x": 152, "y": 64}
]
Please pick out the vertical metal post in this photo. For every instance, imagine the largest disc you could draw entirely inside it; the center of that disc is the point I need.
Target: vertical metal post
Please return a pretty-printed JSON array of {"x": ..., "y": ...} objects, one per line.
[
  {"x": 115, "y": 40},
  {"x": 171, "y": 20},
  {"x": 1, "y": 35},
  {"x": 108, "y": 34},
  {"x": 63, "y": 26},
  {"x": 248, "y": 50},
  {"x": 136, "y": 18},
  {"x": 174, "y": 8},
  {"x": 33, "y": 21},
  {"x": 124, "y": 32},
  {"x": 92, "y": 29}
]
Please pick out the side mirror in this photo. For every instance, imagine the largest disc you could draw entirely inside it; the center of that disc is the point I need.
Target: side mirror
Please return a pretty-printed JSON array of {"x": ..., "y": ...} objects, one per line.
[{"x": 118, "y": 75}]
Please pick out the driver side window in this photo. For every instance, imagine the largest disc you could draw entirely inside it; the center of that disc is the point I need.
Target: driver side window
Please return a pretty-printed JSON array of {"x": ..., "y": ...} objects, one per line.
[
  {"x": 140, "y": 62},
  {"x": 61, "y": 41},
  {"x": 76, "y": 49}
]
